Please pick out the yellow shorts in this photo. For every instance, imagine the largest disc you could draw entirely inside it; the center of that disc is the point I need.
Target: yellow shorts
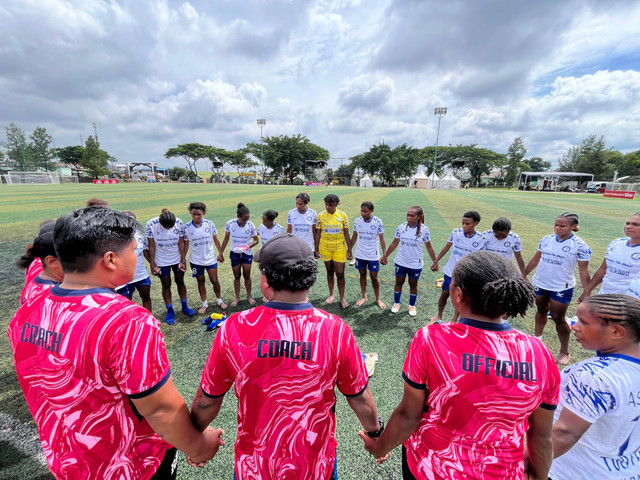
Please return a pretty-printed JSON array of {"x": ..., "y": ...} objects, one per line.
[{"x": 339, "y": 256}]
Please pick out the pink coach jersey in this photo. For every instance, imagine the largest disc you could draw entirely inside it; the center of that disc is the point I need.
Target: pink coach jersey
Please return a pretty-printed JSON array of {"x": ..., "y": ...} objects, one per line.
[
  {"x": 80, "y": 356},
  {"x": 285, "y": 360},
  {"x": 35, "y": 287},
  {"x": 483, "y": 382}
]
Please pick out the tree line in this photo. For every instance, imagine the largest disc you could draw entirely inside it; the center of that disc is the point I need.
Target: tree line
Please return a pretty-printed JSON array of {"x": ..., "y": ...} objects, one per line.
[
  {"x": 288, "y": 156},
  {"x": 34, "y": 153}
]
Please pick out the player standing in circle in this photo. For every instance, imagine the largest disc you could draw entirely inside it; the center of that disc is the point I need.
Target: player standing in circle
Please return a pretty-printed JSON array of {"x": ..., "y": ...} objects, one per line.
[
  {"x": 301, "y": 221},
  {"x": 200, "y": 235},
  {"x": 31, "y": 265},
  {"x": 621, "y": 263},
  {"x": 51, "y": 273},
  {"x": 93, "y": 366},
  {"x": 269, "y": 228},
  {"x": 244, "y": 237},
  {"x": 464, "y": 240},
  {"x": 501, "y": 240},
  {"x": 167, "y": 253},
  {"x": 333, "y": 245},
  {"x": 141, "y": 280},
  {"x": 473, "y": 390},
  {"x": 285, "y": 358},
  {"x": 368, "y": 230},
  {"x": 554, "y": 280},
  {"x": 595, "y": 430},
  {"x": 410, "y": 236}
]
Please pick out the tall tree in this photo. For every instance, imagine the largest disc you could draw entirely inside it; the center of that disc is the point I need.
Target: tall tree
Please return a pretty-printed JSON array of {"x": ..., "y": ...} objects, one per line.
[
  {"x": 94, "y": 160},
  {"x": 40, "y": 152},
  {"x": 592, "y": 156},
  {"x": 537, "y": 164},
  {"x": 389, "y": 164},
  {"x": 515, "y": 154},
  {"x": 191, "y": 153},
  {"x": 241, "y": 160},
  {"x": 478, "y": 161},
  {"x": 288, "y": 155},
  {"x": 17, "y": 147}
]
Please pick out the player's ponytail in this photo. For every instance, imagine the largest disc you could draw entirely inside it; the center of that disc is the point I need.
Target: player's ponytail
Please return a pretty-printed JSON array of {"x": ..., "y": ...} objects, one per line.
[
  {"x": 420, "y": 214},
  {"x": 492, "y": 285}
]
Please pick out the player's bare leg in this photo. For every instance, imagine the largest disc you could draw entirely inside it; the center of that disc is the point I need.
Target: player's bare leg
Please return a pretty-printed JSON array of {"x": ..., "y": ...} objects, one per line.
[
  {"x": 330, "y": 281},
  {"x": 363, "y": 287},
  {"x": 246, "y": 273},
  {"x": 375, "y": 283},
  {"x": 217, "y": 290},
  {"x": 236, "y": 285},
  {"x": 202, "y": 289},
  {"x": 339, "y": 269}
]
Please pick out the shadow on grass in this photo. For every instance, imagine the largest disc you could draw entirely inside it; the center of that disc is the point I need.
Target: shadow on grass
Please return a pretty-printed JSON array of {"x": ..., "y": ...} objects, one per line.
[{"x": 15, "y": 465}]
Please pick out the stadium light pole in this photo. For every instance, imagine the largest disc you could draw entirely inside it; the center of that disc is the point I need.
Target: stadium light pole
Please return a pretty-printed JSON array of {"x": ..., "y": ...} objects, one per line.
[
  {"x": 438, "y": 112},
  {"x": 262, "y": 122}
]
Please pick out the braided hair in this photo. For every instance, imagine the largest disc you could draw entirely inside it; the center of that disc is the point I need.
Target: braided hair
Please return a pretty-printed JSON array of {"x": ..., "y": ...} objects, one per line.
[
  {"x": 420, "y": 214},
  {"x": 167, "y": 219},
  {"x": 492, "y": 285},
  {"x": 501, "y": 224},
  {"x": 572, "y": 218},
  {"x": 616, "y": 308},
  {"x": 270, "y": 214},
  {"x": 242, "y": 210}
]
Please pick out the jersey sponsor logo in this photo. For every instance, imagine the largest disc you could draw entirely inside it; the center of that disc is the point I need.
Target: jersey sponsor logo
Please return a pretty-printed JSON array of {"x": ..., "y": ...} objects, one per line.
[
  {"x": 285, "y": 348},
  {"x": 619, "y": 272},
  {"x": 41, "y": 337},
  {"x": 500, "y": 368}
]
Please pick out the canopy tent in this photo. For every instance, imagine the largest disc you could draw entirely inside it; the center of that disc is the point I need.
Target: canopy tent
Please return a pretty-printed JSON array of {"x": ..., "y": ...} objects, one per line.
[
  {"x": 366, "y": 181},
  {"x": 549, "y": 180},
  {"x": 420, "y": 180},
  {"x": 449, "y": 181}
]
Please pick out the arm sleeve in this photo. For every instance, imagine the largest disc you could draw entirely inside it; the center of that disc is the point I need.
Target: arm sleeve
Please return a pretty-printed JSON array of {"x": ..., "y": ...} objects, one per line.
[
  {"x": 148, "y": 230},
  {"x": 517, "y": 244},
  {"x": 216, "y": 378},
  {"x": 426, "y": 236},
  {"x": 587, "y": 394},
  {"x": 137, "y": 356},
  {"x": 416, "y": 364},
  {"x": 352, "y": 374},
  {"x": 584, "y": 253}
]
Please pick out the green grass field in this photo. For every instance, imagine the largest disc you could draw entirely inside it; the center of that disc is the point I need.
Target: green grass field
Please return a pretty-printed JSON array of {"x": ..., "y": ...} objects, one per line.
[{"x": 532, "y": 214}]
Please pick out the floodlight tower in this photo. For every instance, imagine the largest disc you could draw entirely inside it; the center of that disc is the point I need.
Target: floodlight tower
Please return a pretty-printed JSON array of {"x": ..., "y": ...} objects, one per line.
[
  {"x": 261, "y": 123},
  {"x": 438, "y": 112}
]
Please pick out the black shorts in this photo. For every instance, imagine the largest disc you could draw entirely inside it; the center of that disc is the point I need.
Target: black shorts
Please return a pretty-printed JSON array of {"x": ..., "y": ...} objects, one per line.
[{"x": 168, "y": 469}]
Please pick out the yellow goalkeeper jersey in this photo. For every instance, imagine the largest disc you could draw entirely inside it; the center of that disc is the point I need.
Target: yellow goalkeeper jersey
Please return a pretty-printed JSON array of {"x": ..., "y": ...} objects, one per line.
[{"x": 331, "y": 228}]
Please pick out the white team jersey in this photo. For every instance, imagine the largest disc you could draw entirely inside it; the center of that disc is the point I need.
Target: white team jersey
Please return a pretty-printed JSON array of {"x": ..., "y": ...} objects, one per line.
[
  {"x": 633, "y": 290},
  {"x": 505, "y": 247},
  {"x": 623, "y": 265},
  {"x": 268, "y": 233},
  {"x": 559, "y": 258},
  {"x": 461, "y": 246},
  {"x": 201, "y": 251},
  {"x": 409, "y": 253},
  {"x": 368, "y": 237},
  {"x": 604, "y": 391},
  {"x": 240, "y": 236},
  {"x": 167, "y": 252},
  {"x": 141, "y": 266},
  {"x": 301, "y": 224}
]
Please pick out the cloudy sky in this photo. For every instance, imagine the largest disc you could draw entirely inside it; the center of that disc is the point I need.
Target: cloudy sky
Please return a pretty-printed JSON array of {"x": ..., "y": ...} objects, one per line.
[{"x": 347, "y": 74}]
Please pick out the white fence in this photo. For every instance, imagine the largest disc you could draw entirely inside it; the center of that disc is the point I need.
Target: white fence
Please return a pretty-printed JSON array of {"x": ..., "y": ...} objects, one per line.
[{"x": 16, "y": 178}]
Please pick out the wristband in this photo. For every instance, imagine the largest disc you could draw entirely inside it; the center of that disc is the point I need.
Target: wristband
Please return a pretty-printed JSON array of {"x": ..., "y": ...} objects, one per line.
[{"x": 378, "y": 432}]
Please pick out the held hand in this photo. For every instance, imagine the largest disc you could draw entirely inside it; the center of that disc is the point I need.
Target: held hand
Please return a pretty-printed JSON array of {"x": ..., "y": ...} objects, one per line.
[
  {"x": 316, "y": 254},
  {"x": 349, "y": 255},
  {"x": 155, "y": 270},
  {"x": 213, "y": 440},
  {"x": 220, "y": 258},
  {"x": 435, "y": 267},
  {"x": 582, "y": 297},
  {"x": 370, "y": 446},
  {"x": 383, "y": 260},
  {"x": 182, "y": 267}
]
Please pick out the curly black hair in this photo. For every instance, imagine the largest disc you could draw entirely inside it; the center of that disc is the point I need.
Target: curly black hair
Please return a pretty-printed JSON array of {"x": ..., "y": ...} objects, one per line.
[{"x": 301, "y": 275}]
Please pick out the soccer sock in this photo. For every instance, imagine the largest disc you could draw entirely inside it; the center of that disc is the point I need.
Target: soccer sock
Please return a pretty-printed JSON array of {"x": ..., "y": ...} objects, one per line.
[
  {"x": 186, "y": 309},
  {"x": 412, "y": 299},
  {"x": 397, "y": 296},
  {"x": 170, "y": 307}
]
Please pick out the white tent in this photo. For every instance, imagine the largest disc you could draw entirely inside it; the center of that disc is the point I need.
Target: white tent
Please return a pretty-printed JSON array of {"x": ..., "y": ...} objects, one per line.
[
  {"x": 420, "y": 180},
  {"x": 366, "y": 181},
  {"x": 449, "y": 181}
]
